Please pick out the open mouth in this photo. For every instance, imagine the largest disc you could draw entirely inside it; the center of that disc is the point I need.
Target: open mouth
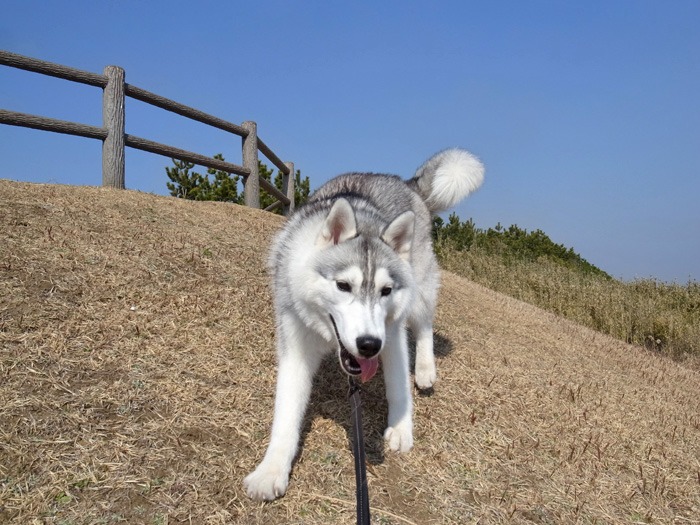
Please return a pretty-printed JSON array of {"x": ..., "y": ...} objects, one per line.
[{"x": 354, "y": 366}]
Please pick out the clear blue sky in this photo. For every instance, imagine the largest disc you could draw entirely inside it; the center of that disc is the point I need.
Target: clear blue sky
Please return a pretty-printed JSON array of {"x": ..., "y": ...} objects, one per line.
[{"x": 586, "y": 114}]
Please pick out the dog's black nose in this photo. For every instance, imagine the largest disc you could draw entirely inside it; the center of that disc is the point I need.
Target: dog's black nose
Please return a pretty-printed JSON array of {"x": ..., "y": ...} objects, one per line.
[{"x": 368, "y": 346}]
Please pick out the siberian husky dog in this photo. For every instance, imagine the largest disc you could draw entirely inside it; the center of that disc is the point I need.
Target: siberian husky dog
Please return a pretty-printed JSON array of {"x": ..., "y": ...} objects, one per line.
[{"x": 352, "y": 268}]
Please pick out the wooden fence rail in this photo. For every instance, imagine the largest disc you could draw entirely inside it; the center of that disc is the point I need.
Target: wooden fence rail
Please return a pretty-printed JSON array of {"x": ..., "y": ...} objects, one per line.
[{"x": 114, "y": 137}]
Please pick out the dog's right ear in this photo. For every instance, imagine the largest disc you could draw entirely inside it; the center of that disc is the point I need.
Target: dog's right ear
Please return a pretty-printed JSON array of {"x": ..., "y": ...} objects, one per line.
[{"x": 339, "y": 225}]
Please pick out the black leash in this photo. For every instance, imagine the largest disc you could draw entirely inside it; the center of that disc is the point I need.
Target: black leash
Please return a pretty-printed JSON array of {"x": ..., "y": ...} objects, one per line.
[{"x": 358, "y": 450}]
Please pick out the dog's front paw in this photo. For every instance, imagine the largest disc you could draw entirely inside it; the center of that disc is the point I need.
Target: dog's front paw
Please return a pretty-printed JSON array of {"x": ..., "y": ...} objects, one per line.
[
  {"x": 426, "y": 374},
  {"x": 399, "y": 437},
  {"x": 266, "y": 483}
]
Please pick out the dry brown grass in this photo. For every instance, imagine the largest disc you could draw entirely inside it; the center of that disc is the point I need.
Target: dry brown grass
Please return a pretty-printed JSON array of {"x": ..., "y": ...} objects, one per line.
[
  {"x": 137, "y": 373},
  {"x": 664, "y": 317}
]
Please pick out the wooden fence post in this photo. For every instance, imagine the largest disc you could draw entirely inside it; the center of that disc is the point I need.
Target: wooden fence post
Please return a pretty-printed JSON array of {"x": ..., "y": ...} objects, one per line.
[
  {"x": 288, "y": 182},
  {"x": 251, "y": 184},
  {"x": 113, "y": 121}
]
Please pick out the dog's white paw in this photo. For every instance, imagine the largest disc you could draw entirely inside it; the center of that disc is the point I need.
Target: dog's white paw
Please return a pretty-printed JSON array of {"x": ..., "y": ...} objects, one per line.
[
  {"x": 399, "y": 438},
  {"x": 426, "y": 375},
  {"x": 266, "y": 483}
]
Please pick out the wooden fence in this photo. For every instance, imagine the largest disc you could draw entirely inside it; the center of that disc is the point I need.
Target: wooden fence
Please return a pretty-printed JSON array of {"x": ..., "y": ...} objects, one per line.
[{"x": 115, "y": 139}]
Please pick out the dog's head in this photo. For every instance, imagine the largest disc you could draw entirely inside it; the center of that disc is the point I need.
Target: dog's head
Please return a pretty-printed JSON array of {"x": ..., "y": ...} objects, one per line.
[{"x": 365, "y": 283}]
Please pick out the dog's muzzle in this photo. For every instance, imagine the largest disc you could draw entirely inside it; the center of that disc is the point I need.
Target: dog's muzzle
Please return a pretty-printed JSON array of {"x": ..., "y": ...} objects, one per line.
[{"x": 351, "y": 365}]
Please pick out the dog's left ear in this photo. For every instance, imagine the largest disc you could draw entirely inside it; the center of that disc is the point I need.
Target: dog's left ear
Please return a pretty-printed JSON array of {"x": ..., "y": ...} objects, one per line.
[{"x": 399, "y": 234}]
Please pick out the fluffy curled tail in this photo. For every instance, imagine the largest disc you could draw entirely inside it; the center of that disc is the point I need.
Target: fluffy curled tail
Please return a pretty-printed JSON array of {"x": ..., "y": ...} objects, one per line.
[{"x": 447, "y": 178}]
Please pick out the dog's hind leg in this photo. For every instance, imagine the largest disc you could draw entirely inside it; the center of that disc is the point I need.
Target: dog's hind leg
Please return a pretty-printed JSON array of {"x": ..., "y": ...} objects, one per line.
[
  {"x": 421, "y": 322},
  {"x": 296, "y": 368},
  {"x": 426, "y": 371}
]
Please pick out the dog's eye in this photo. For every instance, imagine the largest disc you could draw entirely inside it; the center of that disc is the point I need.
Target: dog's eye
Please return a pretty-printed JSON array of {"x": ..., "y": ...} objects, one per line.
[
  {"x": 343, "y": 286},
  {"x": 386, "y": 291}
]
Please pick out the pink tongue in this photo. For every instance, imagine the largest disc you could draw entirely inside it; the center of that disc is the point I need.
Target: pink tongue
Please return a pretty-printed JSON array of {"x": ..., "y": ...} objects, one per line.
[{"x": 368, "y": 367}]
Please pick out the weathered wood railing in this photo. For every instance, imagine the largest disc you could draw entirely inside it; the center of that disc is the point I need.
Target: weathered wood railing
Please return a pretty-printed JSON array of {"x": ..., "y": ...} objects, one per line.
[{"x": 114, "y": 137}]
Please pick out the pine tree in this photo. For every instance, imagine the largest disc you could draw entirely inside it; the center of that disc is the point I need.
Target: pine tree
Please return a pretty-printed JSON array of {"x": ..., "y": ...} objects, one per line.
[
  {"x": 219, "y": 185},
  {"x": 225, "y": 185},
  {"x": 185, "y": 184}
]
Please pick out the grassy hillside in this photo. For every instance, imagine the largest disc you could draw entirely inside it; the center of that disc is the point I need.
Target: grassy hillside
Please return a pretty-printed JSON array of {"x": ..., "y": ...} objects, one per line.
[
  {"x": 529, "y": 266},
  {"x": 137, "y": 374}
]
